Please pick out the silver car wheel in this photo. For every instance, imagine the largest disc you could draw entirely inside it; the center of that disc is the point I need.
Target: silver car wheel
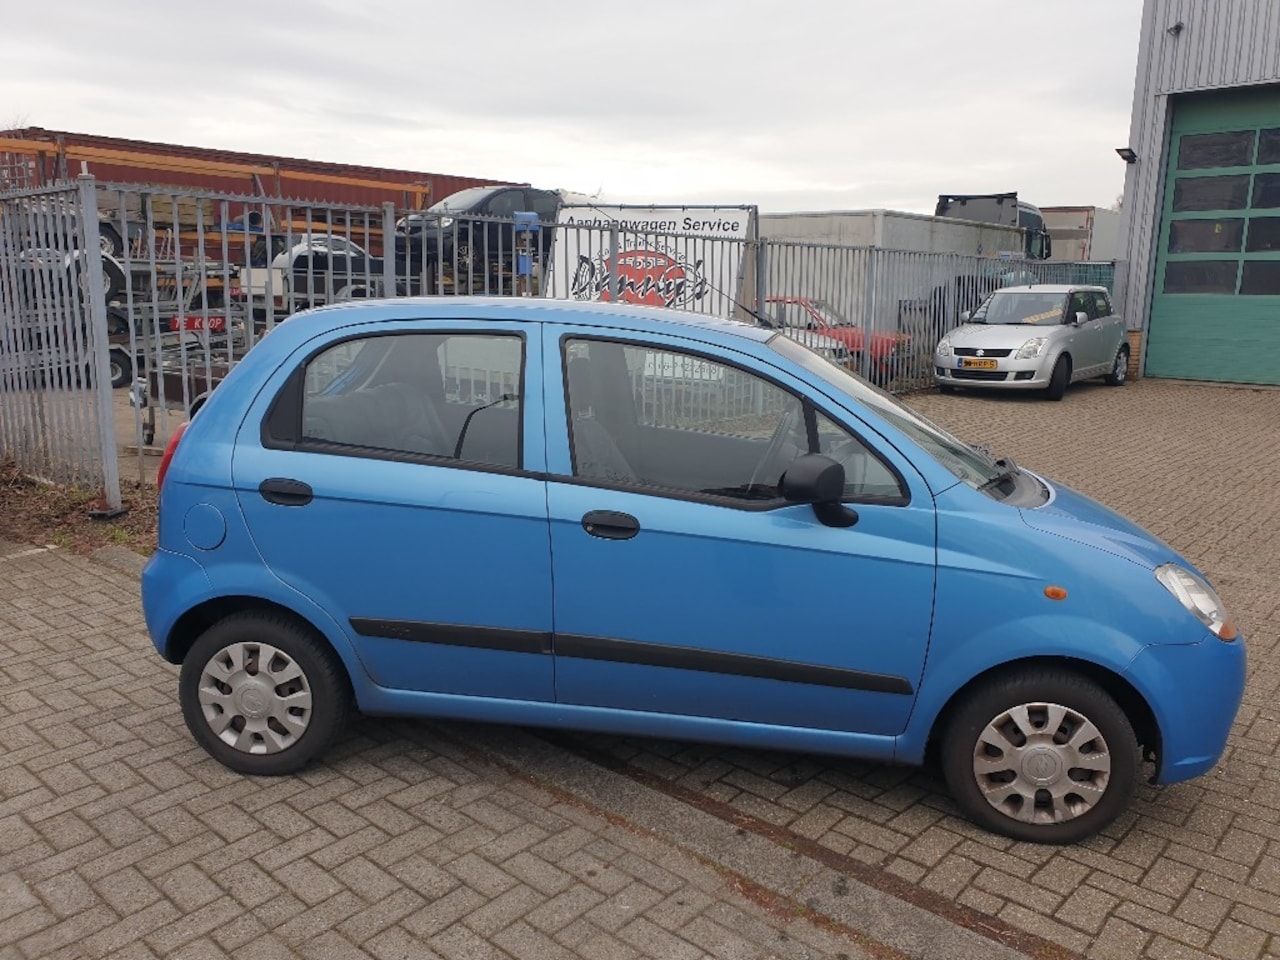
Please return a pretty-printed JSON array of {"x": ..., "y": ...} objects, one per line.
[
  {"x": 255, "y": 698},
  {"x": 1042, "y": 763}
]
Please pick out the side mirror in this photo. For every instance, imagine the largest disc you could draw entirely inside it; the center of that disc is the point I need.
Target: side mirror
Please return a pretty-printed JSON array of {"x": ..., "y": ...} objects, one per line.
[
  {"x": 818, "y": 480},
  {"x": 1081, "y": 317},
  {"x": 964, "y": 316}
]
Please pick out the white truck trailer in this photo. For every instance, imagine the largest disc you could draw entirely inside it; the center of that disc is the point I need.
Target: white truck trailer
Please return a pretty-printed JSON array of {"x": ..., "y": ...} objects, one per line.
[{"x": 1083, "y": 233}]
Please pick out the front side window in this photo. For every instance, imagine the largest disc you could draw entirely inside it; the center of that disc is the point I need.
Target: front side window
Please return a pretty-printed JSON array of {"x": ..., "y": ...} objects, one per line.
[
  {"x": 450, "y": 395},
  {"x": 545, "y": 204},
  {"x": 1080, "y": 303},
  {"x": 641, "y": 415},
  {"x": 506, "y": 204}
]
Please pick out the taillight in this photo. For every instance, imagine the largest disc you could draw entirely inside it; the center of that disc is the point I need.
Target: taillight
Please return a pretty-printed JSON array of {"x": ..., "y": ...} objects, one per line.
[{"x": 168, "y": 454}]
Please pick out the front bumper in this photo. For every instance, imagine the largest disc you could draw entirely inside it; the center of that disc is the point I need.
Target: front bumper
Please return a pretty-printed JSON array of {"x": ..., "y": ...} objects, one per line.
[
  {"x": 1194, "y": 691},
  {"x": 1009, "y": 373}
]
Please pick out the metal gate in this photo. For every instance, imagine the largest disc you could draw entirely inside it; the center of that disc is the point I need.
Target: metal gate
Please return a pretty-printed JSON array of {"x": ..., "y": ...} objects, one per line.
[{"x": 56, "y": 416}]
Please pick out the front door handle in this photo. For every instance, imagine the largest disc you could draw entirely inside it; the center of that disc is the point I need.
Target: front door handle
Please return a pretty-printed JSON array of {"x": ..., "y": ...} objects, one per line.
[
  {"x": 286, "y": 492},
  {"x": 610, "y": 525}
]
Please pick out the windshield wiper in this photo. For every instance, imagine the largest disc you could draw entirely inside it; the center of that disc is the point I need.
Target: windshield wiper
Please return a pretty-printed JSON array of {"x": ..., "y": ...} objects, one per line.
[{"x": 1008, "y": 470}]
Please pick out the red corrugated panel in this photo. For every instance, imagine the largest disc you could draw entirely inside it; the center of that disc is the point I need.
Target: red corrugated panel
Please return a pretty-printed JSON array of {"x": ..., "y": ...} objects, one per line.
[{"x": 275, "y": 182}]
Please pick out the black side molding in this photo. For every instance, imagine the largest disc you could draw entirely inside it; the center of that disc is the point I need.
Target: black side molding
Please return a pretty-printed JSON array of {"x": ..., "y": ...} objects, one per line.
[
  {"x": 485, "y": 638},
  {"x": 734, "y": 664}
]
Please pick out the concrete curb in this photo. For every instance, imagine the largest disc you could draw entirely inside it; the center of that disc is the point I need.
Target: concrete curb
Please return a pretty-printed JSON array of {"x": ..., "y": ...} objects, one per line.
[{"x": 122, "y": 559}]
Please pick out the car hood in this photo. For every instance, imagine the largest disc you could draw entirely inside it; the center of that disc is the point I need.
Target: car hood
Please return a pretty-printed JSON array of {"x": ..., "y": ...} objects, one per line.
[
  {"x": 1075, "y": 517},
  {"x": 997, "y": 335}
]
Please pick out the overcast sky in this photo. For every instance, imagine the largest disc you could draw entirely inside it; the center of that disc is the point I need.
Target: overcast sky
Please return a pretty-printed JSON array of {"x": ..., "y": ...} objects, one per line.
[{"x": 789, "y": 104}]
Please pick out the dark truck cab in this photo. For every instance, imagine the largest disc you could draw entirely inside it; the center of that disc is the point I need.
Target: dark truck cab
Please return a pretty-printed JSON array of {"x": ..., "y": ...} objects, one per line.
[{"x": 1001, "y": 208}]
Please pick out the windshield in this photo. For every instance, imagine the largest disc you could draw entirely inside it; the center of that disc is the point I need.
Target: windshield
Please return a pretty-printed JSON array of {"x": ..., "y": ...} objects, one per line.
[
  {"x": 829, "y": 314},
  {"x": 1023, "y": 307},
  {"x": 967, "y": 464},
  {"x": 462, "y": 200}
]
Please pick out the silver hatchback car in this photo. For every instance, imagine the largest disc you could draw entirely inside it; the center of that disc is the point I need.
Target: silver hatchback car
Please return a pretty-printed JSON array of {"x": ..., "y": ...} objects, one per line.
[{"x": 1039, "y": 337}]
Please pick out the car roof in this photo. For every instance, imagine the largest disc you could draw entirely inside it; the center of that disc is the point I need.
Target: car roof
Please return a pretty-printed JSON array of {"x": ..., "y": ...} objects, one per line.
[
  {"x": 535, "y": 310},
  {"x": 1053, "y": 288}
]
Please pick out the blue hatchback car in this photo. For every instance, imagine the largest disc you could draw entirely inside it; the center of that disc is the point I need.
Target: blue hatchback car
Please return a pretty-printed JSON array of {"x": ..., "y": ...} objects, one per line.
[{"x": 639, "y": 521}]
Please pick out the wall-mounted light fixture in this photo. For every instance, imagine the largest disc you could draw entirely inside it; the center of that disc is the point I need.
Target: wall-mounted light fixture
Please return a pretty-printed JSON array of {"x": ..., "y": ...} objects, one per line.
[{"x": 1127, "y": 154}]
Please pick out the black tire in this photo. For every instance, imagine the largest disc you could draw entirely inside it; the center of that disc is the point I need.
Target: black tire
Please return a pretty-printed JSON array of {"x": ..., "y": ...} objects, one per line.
[
  {"x": 946, "y": 388},
  {"x": 1059, "y": 379},
  {"x": 112, "y": 278},
  {"x": 109, "y": 240},
  {"x": 1119, "y": 368},
  {"x": 1093, "y": 798},
  {"x": 121, "y": 367},
  {"x": 253, "y": 705}
]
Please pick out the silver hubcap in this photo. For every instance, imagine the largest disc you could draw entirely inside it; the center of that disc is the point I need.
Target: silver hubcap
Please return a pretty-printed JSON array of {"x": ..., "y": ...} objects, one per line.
[
  {"x": 1122, "y": 365},
  {"x": 255, "y": 698},
  {"x": 1042, "y": 763}
]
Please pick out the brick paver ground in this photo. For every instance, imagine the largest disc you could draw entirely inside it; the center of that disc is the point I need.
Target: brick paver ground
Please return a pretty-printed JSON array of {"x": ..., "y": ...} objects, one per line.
[{"x": 119, "y": 837}]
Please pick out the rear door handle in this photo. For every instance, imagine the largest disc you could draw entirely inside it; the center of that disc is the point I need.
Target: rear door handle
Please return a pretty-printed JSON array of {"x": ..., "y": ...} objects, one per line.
[
  {"x": 286, "y": 492},
  {"x": 610, "y": 525}
]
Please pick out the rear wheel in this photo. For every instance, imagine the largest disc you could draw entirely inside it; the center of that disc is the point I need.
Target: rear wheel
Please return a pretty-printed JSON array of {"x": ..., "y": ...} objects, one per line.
[
  {"x": 1059, "y": 379},
  {"x": 1120, "y": 368},
  {"x": 262, "y": 694},
  {"x": 1041, "y": 755}
]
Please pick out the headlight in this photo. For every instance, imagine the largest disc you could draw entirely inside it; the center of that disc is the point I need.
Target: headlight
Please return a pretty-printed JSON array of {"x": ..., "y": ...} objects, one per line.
[
  {"x": 1199, "y": 598},
  {"x": 944, "y": 348},
  {"x": 445, "y": 223},
  {"x": 1031, "y": 349}
]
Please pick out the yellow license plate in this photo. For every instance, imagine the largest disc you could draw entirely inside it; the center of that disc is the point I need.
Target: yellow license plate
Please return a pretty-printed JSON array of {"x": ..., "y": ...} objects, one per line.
[{"x": 970, "y": 363}]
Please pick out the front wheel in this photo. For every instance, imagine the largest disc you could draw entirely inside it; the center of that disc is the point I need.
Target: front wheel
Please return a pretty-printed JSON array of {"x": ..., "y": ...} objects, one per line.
[
  {"x": 262, "y": 694},
  {"x": 1120, "y": 367},
  {"x": 1042, "y": 756},
  {"x": 1058, "y": 380}
]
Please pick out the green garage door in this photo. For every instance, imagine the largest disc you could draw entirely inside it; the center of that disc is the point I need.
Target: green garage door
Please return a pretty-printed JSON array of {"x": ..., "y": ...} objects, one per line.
[{"x": 1215, "y": 313}]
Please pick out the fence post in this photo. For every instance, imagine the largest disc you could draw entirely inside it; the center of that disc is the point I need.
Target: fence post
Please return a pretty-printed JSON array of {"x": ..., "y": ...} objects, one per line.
[
  {"x": 389, "y": 250},
  {"x": 96, "y": 309},
  {"x": 762, "y": 283},
  {"x": 615, "y": 287},
  {"x": 869, "y": 311}
]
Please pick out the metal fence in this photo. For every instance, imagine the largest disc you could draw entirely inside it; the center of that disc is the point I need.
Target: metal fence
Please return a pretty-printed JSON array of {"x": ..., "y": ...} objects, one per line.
[
  {"x": 190, "y": 281},
  {"x": 55, "y": 397}
]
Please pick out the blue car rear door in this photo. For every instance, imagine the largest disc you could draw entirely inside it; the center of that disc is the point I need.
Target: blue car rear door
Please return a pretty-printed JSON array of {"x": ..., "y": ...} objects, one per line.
[{"x": 404, "y": 493}]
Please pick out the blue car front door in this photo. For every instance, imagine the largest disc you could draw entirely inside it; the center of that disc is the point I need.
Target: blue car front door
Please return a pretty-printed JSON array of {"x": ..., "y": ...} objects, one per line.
[{"x": 683, "y": 585}]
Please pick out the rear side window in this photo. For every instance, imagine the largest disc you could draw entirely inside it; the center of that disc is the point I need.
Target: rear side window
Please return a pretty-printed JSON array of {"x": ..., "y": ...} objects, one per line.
[{"x": 454, "y": 396}]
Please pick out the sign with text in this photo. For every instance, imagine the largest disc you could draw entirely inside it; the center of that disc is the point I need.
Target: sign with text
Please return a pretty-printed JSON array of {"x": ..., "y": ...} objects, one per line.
[{"x": 687, "y": 258}]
